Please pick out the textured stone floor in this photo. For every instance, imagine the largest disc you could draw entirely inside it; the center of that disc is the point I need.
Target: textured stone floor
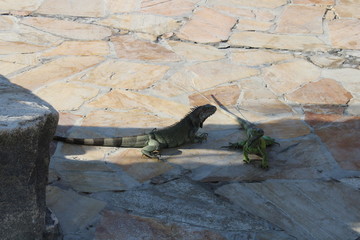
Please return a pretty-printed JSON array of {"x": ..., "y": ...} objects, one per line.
[{"x": 121, "y": 67}]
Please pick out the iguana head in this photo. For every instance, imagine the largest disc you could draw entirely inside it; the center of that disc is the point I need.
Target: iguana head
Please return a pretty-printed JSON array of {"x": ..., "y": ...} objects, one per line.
[
  {"x": 200, "y": 114},
  {"x": 254, "y": 133}
]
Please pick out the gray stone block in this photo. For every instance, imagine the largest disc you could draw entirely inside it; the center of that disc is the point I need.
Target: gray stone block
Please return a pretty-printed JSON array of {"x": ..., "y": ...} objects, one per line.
[{"x": 27, "y": 126}]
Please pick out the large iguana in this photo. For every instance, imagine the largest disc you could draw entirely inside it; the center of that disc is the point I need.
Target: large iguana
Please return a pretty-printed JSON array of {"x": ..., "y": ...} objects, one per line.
[
  {"x": 255, "y": 142},
  {"x": 175, "y": 135}
]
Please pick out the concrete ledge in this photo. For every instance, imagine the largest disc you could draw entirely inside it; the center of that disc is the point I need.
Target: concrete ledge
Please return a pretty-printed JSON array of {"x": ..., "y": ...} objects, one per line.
[{"x": 27, "y": 126}]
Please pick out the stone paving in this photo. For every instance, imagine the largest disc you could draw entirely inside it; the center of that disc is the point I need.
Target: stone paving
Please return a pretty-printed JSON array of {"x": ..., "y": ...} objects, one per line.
[{"x": 118, "y": 68}]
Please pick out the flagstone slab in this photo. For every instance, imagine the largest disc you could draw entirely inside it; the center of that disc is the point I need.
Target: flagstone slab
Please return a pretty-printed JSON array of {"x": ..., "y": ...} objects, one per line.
[
  {"x": 345, "y": 33},
  {"x": 301, "y": 19},
  {"x": 74, "y": 211},
  {"x": 258, "y": 57},
  {"x": 276, "y": 41},
  {"x": 206, "y": 26},
  {"x": 323, "y": 92},
  {"x": 75, "y": 95},
  {"x": 321, "y": 2},
  {"x": 253, "y": 25},
  {"x": 204, "y": 75},
  {"x": 128, "y": 47},
  {"x": 290, "y": 127},
  {"x": 123, "y": 6},
  {"x": 7, "y": 68},
  {"x": 19, "y": 5},
  {"x": 68, "y": 29},
  {"x": 196, "y": 52},
  {"x": 348, "y": 77},
  {"x": 226, "y": 95},
  {"x": 348, "y": 9},
  {"x": 287, "y": 77},
  {"x": 340, "y": 138},
  {"x": 122, "y": 226},
  {"x": 137, "y": 166},
  {"x": 236, "y": 11},
  {"x": 127, "y": 100},
  {"x": 254, "y": 4},
  {"x": 19, "y": 47},
  {"x": 304, "y": 209},
  {"x": 54, "y": 70},
  {"x": 264, "y": 14},
  {"x": 354, "y": 107},
  {"x": 82, "y": 8},
  {"x": 29, "y": 59},
  {"x": 139, "y": 22},
  {"x": 195, "y": 202},
  {"x": 80, "y": 48},
  {"x": 326, "y": 61},
  {"x": 168, "y": 8},
  {"x": 7, "y": 23},
  {"x": 27, "y": 34},
  {"x": 125, "y": 75}
]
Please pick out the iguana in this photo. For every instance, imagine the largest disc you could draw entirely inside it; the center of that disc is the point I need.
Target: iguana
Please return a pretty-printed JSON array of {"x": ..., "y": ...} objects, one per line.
[
  {"x": 151, "y": 143},
  {"x": 255, "y": 142}
]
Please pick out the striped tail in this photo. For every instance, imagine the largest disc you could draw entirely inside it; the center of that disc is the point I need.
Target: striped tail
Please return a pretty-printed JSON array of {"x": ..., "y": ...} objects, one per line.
[{"x": 131, "y": 142}]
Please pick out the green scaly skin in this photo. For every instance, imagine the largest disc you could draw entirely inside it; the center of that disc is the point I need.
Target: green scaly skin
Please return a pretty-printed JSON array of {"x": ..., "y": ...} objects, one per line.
[
  {"x": 173, "y": 136},
  {"x": 255, "y": 142}
]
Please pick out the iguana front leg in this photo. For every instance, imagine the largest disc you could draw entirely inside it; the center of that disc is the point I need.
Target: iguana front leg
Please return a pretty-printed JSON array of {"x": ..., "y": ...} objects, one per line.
[
  {"x": 263, "y": 154},
  {"x": 201, "y": 138}
]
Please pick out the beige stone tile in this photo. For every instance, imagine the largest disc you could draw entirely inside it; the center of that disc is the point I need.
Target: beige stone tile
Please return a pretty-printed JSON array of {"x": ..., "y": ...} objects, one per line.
[
  {"x": 68, "y": 206},
  {"x": 82, "y": 8},
  {"x": 257, "y": 101},
  {"x": 301, "y": 19},
  {"x": 167, "y": 8},
  {"x": 137, "y": 166},
  {"x": 348, "y": 77},
  {"x": 264, "y": 14},
  {"x": 286, "y": 77},
  {"x": 122, "y": 99},
  {"x": 54, "y": 70},
  {"x": 326, "y": 92},
  {"x": 137, "y": 22},
  {"x": 207, "y": 25},
  {"x": 19, "y": 5},
  {"x": 327, "y": 61},
  {"x": 277, "y": 41},
  {"x": 80, "y": 48},
  {"x": 125, "y": 75},
  {"x": 197, "y": 52},
  {"x": 123, "y": 6},
  {"x": 23, "y": 33},
  {"x": 345, "y": 33},
  {"x": 29, "y": 59},
  {"x": 354, "y": 107},
  {"x": 202, "y": 76},
  {"x": 19, "y": 47},
  {"x": 227, "y": 95},
  {"x": 245, "y": 3},
  {"x": 253, "y": 25},
  {"x": 348, "y": 9},
  {"x": 7, "y": 68},
  {"x": 257, "y": 57},
  {"x": 128, "y": 47},
  {"x": 7, "y": 22},
  {"x": 236, "y": 11},
  {"x": 322, "y": 2},
  {"x": 69, "y": 29},
  {"x": 131, "y": 123},
  {"x": 75, "y": 95}
]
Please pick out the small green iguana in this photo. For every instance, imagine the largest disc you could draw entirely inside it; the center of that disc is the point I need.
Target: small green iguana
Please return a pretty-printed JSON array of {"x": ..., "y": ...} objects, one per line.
[
  {"x": 175, "y": 135},
  {"x": 255, "y": 142}
]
